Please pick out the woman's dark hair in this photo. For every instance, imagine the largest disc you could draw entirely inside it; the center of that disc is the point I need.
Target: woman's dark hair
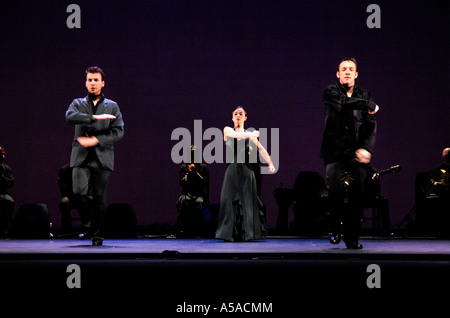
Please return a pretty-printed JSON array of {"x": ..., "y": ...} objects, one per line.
[{"x": 239, "y": 107}]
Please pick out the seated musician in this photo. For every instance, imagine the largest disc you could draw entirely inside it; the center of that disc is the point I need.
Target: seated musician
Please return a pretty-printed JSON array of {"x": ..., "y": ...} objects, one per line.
[{"x": 440, "y": 179}]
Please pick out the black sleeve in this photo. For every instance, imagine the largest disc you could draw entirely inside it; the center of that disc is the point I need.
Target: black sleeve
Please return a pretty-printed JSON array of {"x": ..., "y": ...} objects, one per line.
[{"x": 333, "y": 97}]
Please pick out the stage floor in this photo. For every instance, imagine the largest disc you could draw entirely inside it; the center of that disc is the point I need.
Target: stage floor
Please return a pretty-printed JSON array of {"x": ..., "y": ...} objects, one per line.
[
  {"x": 282, "y": 247},
  {"x": 286, "y": 273}
]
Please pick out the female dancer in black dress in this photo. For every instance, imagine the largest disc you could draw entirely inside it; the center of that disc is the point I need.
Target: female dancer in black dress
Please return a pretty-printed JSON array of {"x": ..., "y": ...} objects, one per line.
[{"x": 240, "y": 216}]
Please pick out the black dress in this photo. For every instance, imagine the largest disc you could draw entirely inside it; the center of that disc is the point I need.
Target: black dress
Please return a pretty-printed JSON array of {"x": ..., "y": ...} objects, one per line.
[{"x": 241, "y": 217}]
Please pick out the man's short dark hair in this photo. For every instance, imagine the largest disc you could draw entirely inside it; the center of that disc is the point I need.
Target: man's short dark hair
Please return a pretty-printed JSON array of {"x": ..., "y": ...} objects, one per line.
[
  {"x": 351, "y": 59},
  {"x": 96, "y": 69}
]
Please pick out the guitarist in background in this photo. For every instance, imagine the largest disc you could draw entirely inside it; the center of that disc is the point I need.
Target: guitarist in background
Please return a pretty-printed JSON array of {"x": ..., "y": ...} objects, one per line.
[
  {"x": 440, "y": 176},
  {"x": 372, "y": 197},
  {"x": 194, "y": 181},
  {"x": 440, "y": 179}
]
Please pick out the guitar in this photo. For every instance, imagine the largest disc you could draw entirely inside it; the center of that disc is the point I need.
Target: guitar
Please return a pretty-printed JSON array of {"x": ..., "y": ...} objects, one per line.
[
  {"x": 377, "y": 173},
  {"x": 372, "y": 185},
  {"x": 392, "y": 169},
  {"x": 445, "y": 177}
]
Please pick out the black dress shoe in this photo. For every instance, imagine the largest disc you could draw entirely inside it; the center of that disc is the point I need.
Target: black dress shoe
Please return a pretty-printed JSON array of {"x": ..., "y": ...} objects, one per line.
[
  {"x": 354, "y": 245},
  {"x": 335, "y": 238},
  {"x": 97, "y": 241}
]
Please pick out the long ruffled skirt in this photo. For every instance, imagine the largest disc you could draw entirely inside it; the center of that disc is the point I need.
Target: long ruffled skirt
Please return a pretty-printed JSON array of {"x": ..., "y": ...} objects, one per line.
[{"x": 240, "y": 217}]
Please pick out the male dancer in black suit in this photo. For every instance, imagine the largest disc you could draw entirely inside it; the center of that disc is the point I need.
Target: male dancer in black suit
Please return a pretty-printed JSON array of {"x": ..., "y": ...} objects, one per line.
[
  {"x": 6, "y": 201},
  {"x": 98, "y": 124},
  {"x": 347, "y": 146}
]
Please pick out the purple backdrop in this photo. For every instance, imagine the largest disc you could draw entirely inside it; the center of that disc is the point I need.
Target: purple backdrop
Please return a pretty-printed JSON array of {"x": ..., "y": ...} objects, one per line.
[{"x": 171, "y": 62}]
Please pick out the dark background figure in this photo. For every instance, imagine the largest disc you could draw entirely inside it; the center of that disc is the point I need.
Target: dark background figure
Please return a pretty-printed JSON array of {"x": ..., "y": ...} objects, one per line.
[
  {"x": 310, "y": 205},
  {"x": 67, "y": 203},
  {"x": 373, "y": 199},
  {"x": 98, "y": 124},
  {"x": 194, "y": 181},
  {"x": 347, "y": 145},
  {"x": 440, "y": 180},
  {"x": 6, "y": 201}
]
